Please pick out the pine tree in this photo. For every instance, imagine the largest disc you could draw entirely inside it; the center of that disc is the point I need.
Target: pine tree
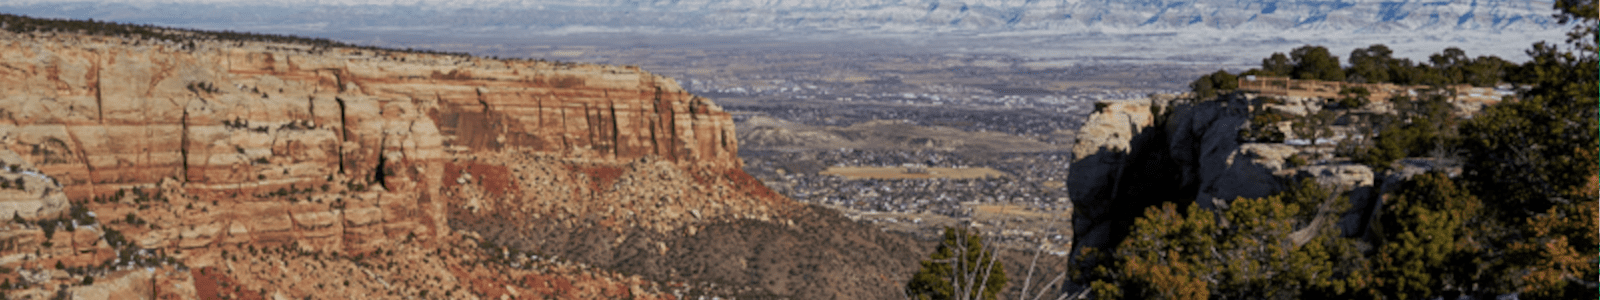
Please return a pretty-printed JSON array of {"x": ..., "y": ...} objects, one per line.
[
  {"x": 1165, "y": 257},
  {"x": 1524, "y": 153},
  {"x": 1277, "y": 65},
  {"x": 1559, "y": 258},
  {"x": 1370, "y": 65},
  {"x": 1315, "y": 62},
  {"x": 960, "y": 268},
  {"x": 1210, "y": 85},
  {"x": 1257, "y": 251},
  {"x": 1427, "y": 239}
]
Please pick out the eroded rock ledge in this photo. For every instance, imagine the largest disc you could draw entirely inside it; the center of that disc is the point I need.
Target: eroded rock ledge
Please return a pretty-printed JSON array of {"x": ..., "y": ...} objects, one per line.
[
  {"x": 99, "y": 114},
  {"x": 297, "y": 154}
]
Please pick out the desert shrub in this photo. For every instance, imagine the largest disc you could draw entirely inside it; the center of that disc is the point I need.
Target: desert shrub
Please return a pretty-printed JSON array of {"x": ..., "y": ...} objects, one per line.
[
  {"x": 1352, "y": 102},
  {"x": 1390, "y": 145},
  {"x": 1295, "y": 161},
  {"x": 1210, "y": 85},
  {"x": 1354, "y": 97},
  {"x": 1263, "y": 127},
  {"x": 1426, "y": 232},
  {"x": 80, "y": 213},
  {"x": 49, "y": 227},
  {"x": 114, "y": 238}
]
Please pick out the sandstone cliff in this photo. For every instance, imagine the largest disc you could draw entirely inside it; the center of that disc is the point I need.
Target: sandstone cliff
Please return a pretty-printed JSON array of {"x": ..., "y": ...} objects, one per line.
[
  {"x": 263, "y": 161},
  {"x": 99, "y": 115}
]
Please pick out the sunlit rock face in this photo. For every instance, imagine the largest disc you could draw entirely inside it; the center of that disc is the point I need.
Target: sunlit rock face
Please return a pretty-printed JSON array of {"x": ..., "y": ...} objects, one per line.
[{"x": 187, "y": 150}]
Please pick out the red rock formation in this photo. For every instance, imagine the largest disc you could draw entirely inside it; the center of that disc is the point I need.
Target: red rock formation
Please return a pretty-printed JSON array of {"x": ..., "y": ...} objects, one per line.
[
  {"x": 189, "y": 151},
  {"x": 240, "y": 120},
  {"x": 133, "y": 115}
]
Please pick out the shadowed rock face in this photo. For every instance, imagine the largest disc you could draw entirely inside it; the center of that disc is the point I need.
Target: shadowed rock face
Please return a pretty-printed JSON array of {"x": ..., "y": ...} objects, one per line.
[
  {"x": 1100, "y": 159},
  {"x": 1133, "y": 155},
  {"x": 220, "y": 146}
]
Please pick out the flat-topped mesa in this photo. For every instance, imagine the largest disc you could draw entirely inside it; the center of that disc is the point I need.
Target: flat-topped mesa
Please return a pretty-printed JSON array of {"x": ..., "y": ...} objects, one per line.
[
  {"x": 209, "y": 154},
  {"x": 100, "y": 113},
  {"x": 345, "y": 148}
]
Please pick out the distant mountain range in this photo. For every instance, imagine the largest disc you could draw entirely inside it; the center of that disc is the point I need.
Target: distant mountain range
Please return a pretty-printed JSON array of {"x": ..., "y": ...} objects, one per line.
[
  {"x": 854, "y": 16},
  {"x": 1224, "y": 33}
]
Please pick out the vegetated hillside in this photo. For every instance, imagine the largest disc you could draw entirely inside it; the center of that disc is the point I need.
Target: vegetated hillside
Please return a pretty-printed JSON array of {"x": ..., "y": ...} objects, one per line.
[
  {"x": 152, "y": 161},
  {"x": 1409, "y": 190}
]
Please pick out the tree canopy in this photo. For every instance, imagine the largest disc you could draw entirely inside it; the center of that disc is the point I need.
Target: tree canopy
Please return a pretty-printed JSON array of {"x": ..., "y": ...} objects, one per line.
[
  {"x": 1277, "y": 65},
  {"x": 1315, "y": 62},
  {"x": 1377, "y": 64},
  {"x": 1210, "y": 85},
  {"x": 1245, "y": 252}
]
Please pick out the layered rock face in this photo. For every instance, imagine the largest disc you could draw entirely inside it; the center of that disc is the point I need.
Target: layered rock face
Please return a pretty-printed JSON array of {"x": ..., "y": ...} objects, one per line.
[
  {"x": 99, "y": 115},
  {"x": 26, "y": 193},
  {"x": 264, "y": 161}
]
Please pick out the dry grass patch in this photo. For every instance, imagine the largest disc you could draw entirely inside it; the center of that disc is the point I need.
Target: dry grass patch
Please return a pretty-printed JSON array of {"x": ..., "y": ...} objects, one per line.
[
  {"x": 905, "y": 173},
  {"x": 1011, "y": 211}
]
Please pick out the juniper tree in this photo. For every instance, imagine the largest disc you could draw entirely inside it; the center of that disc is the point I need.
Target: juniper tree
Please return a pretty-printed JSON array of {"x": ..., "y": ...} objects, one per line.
[
  {"x": 960, "y": 268},
  {"x": 1428, "y": 241}
]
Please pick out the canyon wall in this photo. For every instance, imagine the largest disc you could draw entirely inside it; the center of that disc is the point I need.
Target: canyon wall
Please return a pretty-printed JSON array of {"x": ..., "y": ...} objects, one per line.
[
  {"x": 411, "y": 172},
  {"x": 103, "y": 114},
  {"x": 100, "y": 114}
]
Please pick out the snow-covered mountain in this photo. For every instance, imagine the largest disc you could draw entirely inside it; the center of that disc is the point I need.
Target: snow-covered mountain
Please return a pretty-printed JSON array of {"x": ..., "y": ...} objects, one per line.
[
  {"x": 896, "y": 16},
  {"x": 1231, "y": 33}
]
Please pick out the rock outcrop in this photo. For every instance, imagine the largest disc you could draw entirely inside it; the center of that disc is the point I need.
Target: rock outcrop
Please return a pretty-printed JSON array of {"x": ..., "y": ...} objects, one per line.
[
  {"x": 259, "y": 160},
  {"x": 99, "y": 115},
  {"x": 1135, "y": 154},
  {"x": 24, "y": 192}
]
